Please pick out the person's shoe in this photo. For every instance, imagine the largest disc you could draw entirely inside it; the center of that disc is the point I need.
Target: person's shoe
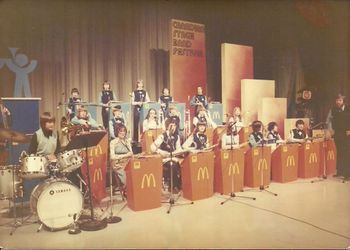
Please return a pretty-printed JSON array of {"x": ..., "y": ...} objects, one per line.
[
  {"x": 347, "y": 178},
  {"x": 336, "y": 175}
]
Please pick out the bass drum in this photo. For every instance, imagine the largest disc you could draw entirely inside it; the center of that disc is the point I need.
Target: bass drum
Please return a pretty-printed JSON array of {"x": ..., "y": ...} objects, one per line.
[{"x": 55, "y": 202}]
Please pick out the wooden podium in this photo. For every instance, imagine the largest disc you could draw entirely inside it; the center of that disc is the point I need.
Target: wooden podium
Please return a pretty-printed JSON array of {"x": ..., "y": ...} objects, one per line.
[
  {"x": 257, "y": 167},
  {"x": 229, "y": 171},
  {"x": 309, "y": 160},
  {"x": 144, "y": 183},
  {"x": 284, "y": 163},
  {"x": 328, "y": 158},
  {"x": 148, "y": 137},
  {"x": 197, "y": 173},
  {"x": 209, "y": 132}
]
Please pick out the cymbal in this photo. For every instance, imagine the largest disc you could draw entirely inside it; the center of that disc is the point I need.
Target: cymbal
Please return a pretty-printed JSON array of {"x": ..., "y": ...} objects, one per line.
[{"x": 13, "y": 136}]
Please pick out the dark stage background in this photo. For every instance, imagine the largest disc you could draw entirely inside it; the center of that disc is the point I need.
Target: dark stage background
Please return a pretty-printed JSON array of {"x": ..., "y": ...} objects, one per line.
[{"x": 81, "y": 43}]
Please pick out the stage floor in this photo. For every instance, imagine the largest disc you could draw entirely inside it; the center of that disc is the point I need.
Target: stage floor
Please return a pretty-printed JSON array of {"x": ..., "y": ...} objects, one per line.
[{"x": 303, "y": 215}]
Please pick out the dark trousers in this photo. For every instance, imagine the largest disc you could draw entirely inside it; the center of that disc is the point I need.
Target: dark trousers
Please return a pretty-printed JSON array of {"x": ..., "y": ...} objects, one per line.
[
  {"x": 105, "y": 117},
  {"x": 343, "y": 155},
  {"x": 176, "y": 173},
  {"x": 136, "y": 124}
]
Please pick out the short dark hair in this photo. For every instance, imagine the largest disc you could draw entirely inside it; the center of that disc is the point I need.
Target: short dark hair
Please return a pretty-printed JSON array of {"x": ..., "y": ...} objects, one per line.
[
  {"x": 256, "y": 126},
  {"x": 271, "y": 126},
  {"x": 119, "y": 127},
  {"x": 299, "y": 122},
  {"x": 46, "y": 117}
]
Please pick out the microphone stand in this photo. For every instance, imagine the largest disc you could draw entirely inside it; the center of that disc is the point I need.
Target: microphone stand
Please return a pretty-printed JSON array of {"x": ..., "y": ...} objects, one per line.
[
  {"x": 262, "y": 187},
  {"x": 232, "y": 195},
  {"x": 111, "y": 219},
  {"x": 172, "y": 202}
]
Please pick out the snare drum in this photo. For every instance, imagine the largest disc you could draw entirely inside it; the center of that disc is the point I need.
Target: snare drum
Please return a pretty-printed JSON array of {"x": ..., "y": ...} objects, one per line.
[
  {"x": 7, "y": 173},
  {"x": 55, "y": 201},
  {"x": 70, "y": 160},
  {"x": 34, "y": 166}
]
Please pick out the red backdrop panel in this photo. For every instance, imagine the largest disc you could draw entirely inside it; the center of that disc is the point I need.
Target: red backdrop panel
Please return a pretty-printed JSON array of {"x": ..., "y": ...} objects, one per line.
[{"x": 188, "y": 68}]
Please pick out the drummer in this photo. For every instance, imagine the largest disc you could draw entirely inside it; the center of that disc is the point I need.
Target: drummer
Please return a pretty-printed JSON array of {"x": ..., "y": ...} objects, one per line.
[
  {"x": 45, "y": 141},
  {"x": 84, "y": 119},
  {"x": 121, "y": 151}
]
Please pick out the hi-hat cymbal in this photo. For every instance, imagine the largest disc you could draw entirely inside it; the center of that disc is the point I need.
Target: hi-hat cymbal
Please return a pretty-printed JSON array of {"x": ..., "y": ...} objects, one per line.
[{"x": 14, "y": 136}]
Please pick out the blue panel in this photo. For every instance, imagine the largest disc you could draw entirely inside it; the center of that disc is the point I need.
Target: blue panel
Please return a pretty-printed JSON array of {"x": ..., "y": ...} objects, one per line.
[
  {"x": 146, "y": 107},
  {"x": 93, "y": 112},
  {"x": 216, "y": 112},
  {"x": 16, "y": 151},
  {"x": 25, "y": 114}
]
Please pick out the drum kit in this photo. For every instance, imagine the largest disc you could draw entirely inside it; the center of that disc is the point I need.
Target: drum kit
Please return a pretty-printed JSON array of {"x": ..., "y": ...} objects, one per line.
[{"x": 54, "y": 190}]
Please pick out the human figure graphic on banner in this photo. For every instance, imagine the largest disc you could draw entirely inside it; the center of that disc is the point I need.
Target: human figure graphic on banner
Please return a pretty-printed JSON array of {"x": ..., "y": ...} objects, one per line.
[{"x": 20, "y": 65}]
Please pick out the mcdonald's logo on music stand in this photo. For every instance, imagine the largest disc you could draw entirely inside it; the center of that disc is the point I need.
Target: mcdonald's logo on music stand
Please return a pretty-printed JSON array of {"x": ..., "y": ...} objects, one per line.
[
  {"x": 97, "y": 174},
  {"x": 202, "y": 173},
  {"x": 233, "y": 169},
  {"x": 262, "y": 164},
  {"x": 330, "y": 155},
  {"x": 290, "y": 161},
  {"x": 313, "y": 158},
  {"x": 216, "y": 115},
  {"x": 149, "y": 178}
]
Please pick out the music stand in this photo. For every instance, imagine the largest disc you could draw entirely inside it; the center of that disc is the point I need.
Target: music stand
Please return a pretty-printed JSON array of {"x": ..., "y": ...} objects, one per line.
[{"x": 85, "y": 141}]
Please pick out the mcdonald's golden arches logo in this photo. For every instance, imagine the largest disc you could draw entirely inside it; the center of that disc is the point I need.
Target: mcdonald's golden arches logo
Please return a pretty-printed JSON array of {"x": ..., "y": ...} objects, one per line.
[
  {"x": 202, "y": 173},
  {"x": 93, "y": 152},
  {"x": 330, "y": 155},
  {"x": 216, "y": 115},
  {"x": 149, "y": 178},
  {"x": 233, "y": 169},
  {"x": 313, "y": 158},
  {"x": 262, "y": 164},
  {"x": 97, "y": 174},
  {"x": 290, "y": 161}
]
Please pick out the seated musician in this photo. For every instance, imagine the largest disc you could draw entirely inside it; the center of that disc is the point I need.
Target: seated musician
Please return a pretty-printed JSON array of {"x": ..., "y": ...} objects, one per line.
[
  {"x": 198, "y": 140},
  {"x": 120, "y": 152},
  {"x": 256, "y": 138},
  {"x": 5, "y": 118},
  {"x": 230, "y": 139},
  {"x": 45, "y": 141},
  {"x": 273, "y": 137},
  {"x": 72, "y": 103},
  {"x": 237, "y": 118},
  {"x": 117, "y": 119},
  {"x": 167, "y": 143},
  {"x": 203, "y": 116},
  {"x": 298, "y": 134},
  {"x": 151, "y": 121},
  {"x": 174, "y": 116},
  {"x": 85, "y": 120}
]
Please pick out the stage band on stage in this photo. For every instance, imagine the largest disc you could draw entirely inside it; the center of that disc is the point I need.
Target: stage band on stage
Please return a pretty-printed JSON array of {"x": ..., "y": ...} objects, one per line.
[{"x": 170, "y": 143}]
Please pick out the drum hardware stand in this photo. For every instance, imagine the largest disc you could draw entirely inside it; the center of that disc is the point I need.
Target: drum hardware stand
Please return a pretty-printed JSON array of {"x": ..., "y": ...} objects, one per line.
[
  {"x": 324, "y": 174},
  {"x": 172, "y": 202},
  {"x": 111, "y": 219},
  {"x": 16, "y": 223},
  {"x": 75, "y": 229},
  {"x": 232, "y": 195}
]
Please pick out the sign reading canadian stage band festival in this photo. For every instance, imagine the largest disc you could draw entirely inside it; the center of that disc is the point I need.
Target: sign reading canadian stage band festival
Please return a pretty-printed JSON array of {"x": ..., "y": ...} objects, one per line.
[{"x": 188, "y": 68}]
